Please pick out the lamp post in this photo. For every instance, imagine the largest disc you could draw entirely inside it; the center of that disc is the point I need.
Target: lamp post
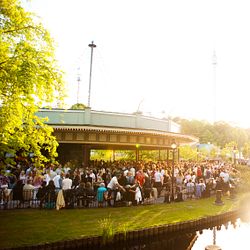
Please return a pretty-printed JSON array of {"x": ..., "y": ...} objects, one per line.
[
  {"x": 214, "y": 246},
  {"x": 92, "y": 46},
  {"x": 173, "y": 146}
]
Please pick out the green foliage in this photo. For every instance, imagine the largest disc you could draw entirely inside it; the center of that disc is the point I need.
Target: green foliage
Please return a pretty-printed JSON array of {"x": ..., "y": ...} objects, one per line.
[
  {"x": 149, "y": 155},
  {"x": 108, "y": 231},
  {"x": 227, "y": 151},
  {"x": 219, "y": 134},
  {"x": 123, "y": 228},
  {"x": 201, "y": 129},
  {"x": 213, "y": 153},
  {"x": 246, "y": 149},
  {"x": 128, "y": 155},
  {"x": 223, "y": 133},
  {"x": 107, "y": 155},
  {"x": 243, "y": 174},
  {"x": 78, "y": 106},
  {"x": 29, "y": 77},
  {"x": 189, "y": 153},
  {"x": 84, "y": 222}
]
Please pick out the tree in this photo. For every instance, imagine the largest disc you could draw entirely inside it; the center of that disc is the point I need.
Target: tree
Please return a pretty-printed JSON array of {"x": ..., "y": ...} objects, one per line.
[
  {"x": 78, "y": 106},
  {"x": 219, "y": 133},
  {"x": 203, "y": 130},
  {"x": 223, "y": 133},
  {"x": 29, "y": 77},
  {"x": 246, "y": 150},
  {"x": 189, "y": 153},
  {"x": 228, "y": 151}
]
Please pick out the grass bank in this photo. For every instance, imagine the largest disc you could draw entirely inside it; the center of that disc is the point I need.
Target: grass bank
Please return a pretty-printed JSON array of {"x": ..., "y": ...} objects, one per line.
[{"x": 34, "y": 226}]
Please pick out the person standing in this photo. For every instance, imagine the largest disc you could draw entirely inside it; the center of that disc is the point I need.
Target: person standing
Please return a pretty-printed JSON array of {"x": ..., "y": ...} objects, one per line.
[
  {"x": 18, "y": 193},
  {"x": 50, "y": 195},
  {"x": 66, "y": 187},
  {"x": 58, "y": 182},
  {"x": 40, "y": 196},
  {"x": 190, "y": 189},
  {"x": 113, "y": 188},
  {"x": 28, "y": 190},
  {"x": 47, "y": 176},
  {"x": 66, "y": 183},
  {"x": 101, "y": 193},
  {"x": 158, "y": 179},
  {"x": 140, "y": 179}
]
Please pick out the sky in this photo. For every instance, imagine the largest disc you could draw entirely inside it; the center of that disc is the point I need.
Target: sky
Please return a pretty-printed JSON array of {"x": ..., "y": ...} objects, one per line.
[{"x": 154, "y": 56}]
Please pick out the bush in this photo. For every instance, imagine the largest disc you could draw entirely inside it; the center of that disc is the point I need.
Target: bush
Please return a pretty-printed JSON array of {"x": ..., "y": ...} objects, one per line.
[{"x": 107, "y": 227}]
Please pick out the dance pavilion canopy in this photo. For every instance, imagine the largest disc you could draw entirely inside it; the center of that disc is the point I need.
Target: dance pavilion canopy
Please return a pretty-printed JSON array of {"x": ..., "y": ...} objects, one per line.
[{"x": 79, "y": 131}]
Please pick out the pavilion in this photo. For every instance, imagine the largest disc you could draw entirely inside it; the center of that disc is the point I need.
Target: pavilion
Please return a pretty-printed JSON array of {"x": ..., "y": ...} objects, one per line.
[{"x": 80, "y": 131}]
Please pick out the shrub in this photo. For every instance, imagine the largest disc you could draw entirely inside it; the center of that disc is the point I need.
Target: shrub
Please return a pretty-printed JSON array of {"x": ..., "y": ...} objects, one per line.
[{"x": 107, "y": 227}]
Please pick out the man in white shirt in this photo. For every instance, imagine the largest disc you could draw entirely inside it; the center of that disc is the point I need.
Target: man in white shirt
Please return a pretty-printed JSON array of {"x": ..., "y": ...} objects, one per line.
[
  {"x": 225, "y": 175},
  {"x": 132, "y": 170},
  {"x": 92, "y": 175},
  {"x": 47, "y": 176},
  {"x": 66, "y": 187},
  {"x": 158, "y": 179},
  {"x": 57, "y": 181},
  {"x": 66, "y": 183},
  {"x": 190, "y": 189},
  {"x": 113, "y": 187}
]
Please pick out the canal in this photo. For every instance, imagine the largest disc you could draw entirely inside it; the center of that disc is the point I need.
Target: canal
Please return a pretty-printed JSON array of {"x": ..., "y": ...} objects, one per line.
[{"x": 230, "y": 236}]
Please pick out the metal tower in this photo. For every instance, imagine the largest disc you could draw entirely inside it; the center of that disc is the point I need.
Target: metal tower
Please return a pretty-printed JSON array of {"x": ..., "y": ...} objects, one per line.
[{"x": 214, "y": 63}]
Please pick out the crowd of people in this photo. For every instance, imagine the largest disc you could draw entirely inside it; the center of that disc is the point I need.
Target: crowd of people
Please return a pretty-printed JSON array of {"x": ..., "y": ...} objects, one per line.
[{"x": 117, "y": 183}]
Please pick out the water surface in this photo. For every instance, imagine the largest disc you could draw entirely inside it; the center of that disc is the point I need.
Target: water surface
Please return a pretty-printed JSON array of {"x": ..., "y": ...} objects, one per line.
[{"x": 229, "y": 237}]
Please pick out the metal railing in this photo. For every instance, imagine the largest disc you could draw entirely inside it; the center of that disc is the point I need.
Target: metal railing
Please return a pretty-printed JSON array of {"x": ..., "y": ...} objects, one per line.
[{"x": 10, "y": 199}]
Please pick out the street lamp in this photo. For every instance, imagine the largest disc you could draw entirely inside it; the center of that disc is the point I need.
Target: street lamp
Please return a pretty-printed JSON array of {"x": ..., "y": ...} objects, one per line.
[
  {"x": 173, "y": 146},
  {"x": 92, "y": 46}
]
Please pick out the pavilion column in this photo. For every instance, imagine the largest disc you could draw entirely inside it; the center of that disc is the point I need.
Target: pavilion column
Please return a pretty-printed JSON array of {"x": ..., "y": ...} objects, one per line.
[
  {"x": 168, "y": 156},
  {"x": 86, "y": 155}
]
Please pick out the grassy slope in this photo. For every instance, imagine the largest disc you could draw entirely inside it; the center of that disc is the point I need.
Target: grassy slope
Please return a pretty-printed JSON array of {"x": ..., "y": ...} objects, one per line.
[{"x": 33, "y": 226}]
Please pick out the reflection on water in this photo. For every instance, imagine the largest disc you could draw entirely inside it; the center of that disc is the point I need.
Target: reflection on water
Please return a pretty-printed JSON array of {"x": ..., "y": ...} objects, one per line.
[
  {"x": 167, "y": 242},
  {"x": 228, "y": 237}
]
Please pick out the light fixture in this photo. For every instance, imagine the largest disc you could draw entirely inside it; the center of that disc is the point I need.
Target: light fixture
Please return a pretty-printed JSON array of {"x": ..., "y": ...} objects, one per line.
[{"x": 173, "y": 145}]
